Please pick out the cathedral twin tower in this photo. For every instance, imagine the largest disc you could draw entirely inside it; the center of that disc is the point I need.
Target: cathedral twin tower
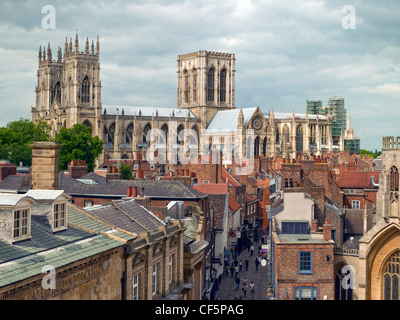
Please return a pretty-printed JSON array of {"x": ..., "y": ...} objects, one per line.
[{"x": 68, "y": 92}]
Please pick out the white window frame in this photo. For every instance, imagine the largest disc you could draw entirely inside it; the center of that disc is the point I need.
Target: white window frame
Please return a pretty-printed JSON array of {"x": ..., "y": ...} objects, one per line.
[
  {"x": 154, "y": 279},
  {"x": 87, "y": 202},
  {"x": 20, "y": 226},
  {"x": 59, "y": 216},
  {"x": 135, "y": 287},
  {"x": 355, "y": 203}
]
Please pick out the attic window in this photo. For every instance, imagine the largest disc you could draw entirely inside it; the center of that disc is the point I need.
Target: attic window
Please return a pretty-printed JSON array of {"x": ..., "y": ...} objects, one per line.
[
  {"x": 59, "y": 217},
  {"x": 21, "y": 224}
]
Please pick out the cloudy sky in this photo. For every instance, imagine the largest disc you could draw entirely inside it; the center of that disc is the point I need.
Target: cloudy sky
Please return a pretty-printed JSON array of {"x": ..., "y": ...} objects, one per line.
[{"x": 286, "y": 51}]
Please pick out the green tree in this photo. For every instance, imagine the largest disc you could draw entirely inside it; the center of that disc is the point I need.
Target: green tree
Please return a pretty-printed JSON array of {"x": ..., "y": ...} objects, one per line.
[
  {"x": 78, "y": 144},
  {"x": 16, "y": 137},
  {"x": 126, "y": 171}
]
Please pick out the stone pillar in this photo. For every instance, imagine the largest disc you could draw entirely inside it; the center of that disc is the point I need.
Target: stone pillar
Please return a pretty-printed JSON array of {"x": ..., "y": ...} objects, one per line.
[{"x": 45, "y": 165}]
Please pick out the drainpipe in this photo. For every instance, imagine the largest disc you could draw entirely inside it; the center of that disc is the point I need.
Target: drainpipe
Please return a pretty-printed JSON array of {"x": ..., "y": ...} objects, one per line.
[{"x": 373, "y": 182}]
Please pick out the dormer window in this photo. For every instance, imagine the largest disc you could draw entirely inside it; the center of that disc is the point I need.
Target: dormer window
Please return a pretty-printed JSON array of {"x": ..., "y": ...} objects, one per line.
[
  {"x": 59, "y": 217},
  {"x": 21, "y": 229}
]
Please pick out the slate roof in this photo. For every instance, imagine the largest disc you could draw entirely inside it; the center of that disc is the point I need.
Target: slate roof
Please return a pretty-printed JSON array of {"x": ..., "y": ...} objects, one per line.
[
  {"x": 160, "y": 189},
  {"x": 148, "y": 111},
  {"x": 127, "y": 215},
  {"x": 15, "y": 183},
  {"x": 26, "y": 259}
]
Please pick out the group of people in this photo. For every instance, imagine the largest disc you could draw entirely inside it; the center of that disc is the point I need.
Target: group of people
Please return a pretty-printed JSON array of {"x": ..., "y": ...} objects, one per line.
[{"x": 245, "y": 286}]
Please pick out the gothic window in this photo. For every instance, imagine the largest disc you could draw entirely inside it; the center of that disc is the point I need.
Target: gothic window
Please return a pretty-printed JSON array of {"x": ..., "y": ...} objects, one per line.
[
  {"x": 210, "y": 85},
  {"x": 394, "y": 179},
  {"x": 87, "y": 124},
  {"x": 285, "y": 134},
  {"x": 180, "y": 128},
  {"x": 276, "y": 135},
  {"x": 222, "y": 85},
  {"x": 265, "y": 147},
  {"x": 186, "y": 79},
  {"x": 56, "y": 93},
  {"x": 341, "y": 291},
  {"x": 391, "y": 277},
  {"x": 299, "y": 139},
  {"x": 164, "y": 128},
  {"x": 129, "y": 133},
  {"x": 147, "y": 128},
  {"x": 85, "y": 91},
  {"x": 109, "y": 133},
  {"x": 194, "y": 85},
  {"x": 257, "y": 146}
]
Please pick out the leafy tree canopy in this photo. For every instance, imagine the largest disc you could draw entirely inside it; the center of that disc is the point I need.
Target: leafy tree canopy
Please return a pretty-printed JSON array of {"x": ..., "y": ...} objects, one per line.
[
  {"x": 78, "y": 144},
  {"x": 16, "y": 137}
]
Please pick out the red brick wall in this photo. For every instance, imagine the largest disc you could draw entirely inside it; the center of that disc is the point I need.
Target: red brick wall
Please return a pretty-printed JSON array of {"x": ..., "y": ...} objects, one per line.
[
  {"x": 287, "y": 269},
  {"x": 7, "y": 170}
]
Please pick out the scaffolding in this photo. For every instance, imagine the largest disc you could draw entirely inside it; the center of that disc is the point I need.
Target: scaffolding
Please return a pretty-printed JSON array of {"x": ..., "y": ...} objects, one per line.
[
  {"x": 337, "y": 115},
  {"x": 352, "y": 146},
  {"x": 315, "y": 107}
]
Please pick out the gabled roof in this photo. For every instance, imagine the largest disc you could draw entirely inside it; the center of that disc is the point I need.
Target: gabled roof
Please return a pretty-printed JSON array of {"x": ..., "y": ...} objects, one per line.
[
  {"x": 212, "y": 188},
  {"x": 358, "y": 179},
  {"x": 233, "y": 204},
  {"x": 47, "y": 194},
  {"x": 227, "y": 120},
  {"x": 231, "y": 180}
]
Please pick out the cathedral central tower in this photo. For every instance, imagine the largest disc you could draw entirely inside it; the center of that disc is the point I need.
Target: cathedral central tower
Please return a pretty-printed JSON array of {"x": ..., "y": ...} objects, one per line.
[{"x": 206, "y": 83}]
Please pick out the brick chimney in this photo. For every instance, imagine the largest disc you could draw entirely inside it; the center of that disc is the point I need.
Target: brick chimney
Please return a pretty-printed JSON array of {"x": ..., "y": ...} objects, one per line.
[
  {"x": 7, "y": 169},
  {"x": 314, "y": 225},
  {"x": 327, "y": 231},
  {"x": 77, "y": 169},
  {"x": 45, "y": 165}
]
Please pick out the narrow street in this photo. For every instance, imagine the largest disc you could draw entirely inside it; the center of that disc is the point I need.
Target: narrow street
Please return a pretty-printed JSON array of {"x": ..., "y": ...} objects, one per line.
[{"x": 260, "y": 278}]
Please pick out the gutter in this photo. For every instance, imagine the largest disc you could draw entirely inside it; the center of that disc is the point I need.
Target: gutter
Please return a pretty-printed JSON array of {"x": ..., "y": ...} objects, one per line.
[{"x": 373, "y": 182}]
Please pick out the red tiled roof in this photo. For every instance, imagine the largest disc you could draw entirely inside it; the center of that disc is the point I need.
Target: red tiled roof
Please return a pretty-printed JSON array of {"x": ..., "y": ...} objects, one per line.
[
  {"x": 212, "y": 188},
  {"x": 233, "y": 204},
  {"x": 231, "y": 180},
  {"x": 250, "y": 198},
  {"x": 360, "y": 179}
]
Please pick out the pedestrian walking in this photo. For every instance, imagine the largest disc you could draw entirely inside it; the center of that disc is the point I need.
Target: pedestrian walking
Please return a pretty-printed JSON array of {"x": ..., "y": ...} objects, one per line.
[
  {"x": 236, "y": 262},
  {"x": 244, "y": 289},
  {"x": 236, "y": 271},
  {"x": 226, "y": 270},
  {"x": 247, "y": 264},
  {"x": 251, "y": 250},
  {"x": 232, "y": 270},
  {"x": 237, "y": 283},
  {"x": 240, "y": 265},
  {"x": 257, "y": 262},
  {"x": 252, "y": 289}
]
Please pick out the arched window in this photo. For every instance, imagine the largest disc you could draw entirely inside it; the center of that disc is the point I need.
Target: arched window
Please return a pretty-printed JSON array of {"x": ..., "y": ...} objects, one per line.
[
  {"x": 180, "y": 128},
  {"x": 146, "y": 129},
  {"x": 164, "y": 128},
  {"x": 299, "y": 139},
  {"x": 129, "y": 133},
  {"x": 341, "y": 292},
  {"x": 88, "y": 124},
  {"x": 257, "y": 146},
  {"x": 85, "y": 91},
  {"x": 285, "y": 134},
  {"x": 186, "y": 79},
  {"x": 222, "y": 86},
  {"x": 277, "y": 135},
  {"x": 265, "y": 147},
  {"x": 210, "y": 85},
  {"x": 194, "y": 85},
  {"x": 56, "y": 94},
  {"x": 394, "y": 179},
  {"x": 391, "y": 277}
]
